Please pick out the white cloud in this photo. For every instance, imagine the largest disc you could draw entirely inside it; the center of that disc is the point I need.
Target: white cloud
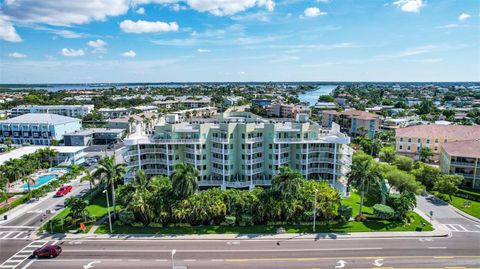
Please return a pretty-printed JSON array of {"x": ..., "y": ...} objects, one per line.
[
  {"x": 129, "y": 53},
  {"x": 203, "y": 50},
  {"x": 177, "y": 7},
  {"x": 72, "y": 52},
  {"x": 141, "y": 26},
  {"x": 228, "y": 7},
  {"x": 140, "y": 11},
  {"x": 7, "y": 31},
  {"x": 97, "y": 45},
  {"x": 322, "y": 1},
  {"x": 63, "y": 12},
  {"x": 313, "y": 12},
  {"x": 17, "y": 55},
  {"x": 449, "y": 26},
  {"x": 67, "y": 34},
  {"x": 464, "y": 16},
  {"x": 410, "y": 5}
]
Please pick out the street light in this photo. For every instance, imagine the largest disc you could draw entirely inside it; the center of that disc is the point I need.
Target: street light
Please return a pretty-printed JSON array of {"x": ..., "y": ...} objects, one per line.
[
  {"x": 314, "y": 209},
  {"x": 108, "y": 210},
  {"x": 173, "y": 253}
]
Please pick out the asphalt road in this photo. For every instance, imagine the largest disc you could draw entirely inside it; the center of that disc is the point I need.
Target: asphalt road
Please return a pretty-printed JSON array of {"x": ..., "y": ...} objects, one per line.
[{"x": 460, "y": 250}]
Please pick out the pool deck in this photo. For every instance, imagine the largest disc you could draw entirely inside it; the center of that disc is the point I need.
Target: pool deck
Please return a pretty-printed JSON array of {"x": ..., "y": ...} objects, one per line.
[{"x": 16, "y": 187}]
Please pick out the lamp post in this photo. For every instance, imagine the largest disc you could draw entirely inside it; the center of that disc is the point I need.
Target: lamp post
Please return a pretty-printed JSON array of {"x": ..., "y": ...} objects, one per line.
[
  {"x": 173, "y": 253},
  {"x": 108, "y": 210},
  {"x": 314, "y": 209}
]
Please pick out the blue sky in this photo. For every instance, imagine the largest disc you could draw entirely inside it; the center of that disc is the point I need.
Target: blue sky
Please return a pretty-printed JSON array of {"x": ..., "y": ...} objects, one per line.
[{"x": 64, "y": 41}]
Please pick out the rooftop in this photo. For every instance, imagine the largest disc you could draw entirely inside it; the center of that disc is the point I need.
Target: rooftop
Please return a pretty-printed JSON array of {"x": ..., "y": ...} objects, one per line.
[
  {"x": 468, "y": 148},
  {"x": 90, "y": 131},
  {"x": 17, "y": 153},
  {"x": 40, "y": 118},
  {"x": 451, "y": 132}
]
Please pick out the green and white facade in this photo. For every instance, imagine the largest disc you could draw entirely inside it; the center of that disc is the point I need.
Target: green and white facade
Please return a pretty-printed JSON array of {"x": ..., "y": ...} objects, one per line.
[{"x": 241, "y": 150}]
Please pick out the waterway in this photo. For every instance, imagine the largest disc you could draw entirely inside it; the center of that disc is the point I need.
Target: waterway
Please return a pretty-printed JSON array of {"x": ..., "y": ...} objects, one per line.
[{"x": 311, "y": 97}]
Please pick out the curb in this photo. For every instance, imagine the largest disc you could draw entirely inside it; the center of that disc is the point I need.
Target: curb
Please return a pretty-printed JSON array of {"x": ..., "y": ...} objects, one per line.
[{"x": 465, "y": 215}]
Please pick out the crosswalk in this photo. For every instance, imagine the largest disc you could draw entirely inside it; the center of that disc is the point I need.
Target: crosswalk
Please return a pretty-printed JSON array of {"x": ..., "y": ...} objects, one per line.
[
  {"x": 460, "y": 228},
  {"x": 12, "y": 235},
  {"x": 22, "y": 255}
]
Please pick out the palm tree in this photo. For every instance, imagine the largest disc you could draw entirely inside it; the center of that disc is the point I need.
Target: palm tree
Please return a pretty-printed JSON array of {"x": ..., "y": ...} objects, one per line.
[
  {"x": 361, "y": 175},
  {"x": 88, "y": 177},
  {"x": 110, "y": 172},
  {"x": 184, "y": 180},
  {"x": 131, "y": 120},
  {"x": 47, "y": 154},
  {"x": 4, "y": 188},
  {"x": 287, "y": 183}
]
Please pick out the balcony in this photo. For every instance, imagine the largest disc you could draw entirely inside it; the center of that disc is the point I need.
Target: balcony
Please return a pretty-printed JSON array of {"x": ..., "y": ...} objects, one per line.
[
  {"x": 324, "y": 160},
  {"x": 177, "y": 141},
  {"x": 210, "y": 183},
  {"x": 254, "y": 139},
  {"x": 193, "y": 161},
  {"x": 262, "y": 182},
  {"x": 317, "y": 149},
  {"x": 220, "y": 161},
  {"x": 254, "y": 150},
  {"x": 281, "y": 161},
  {"x": 253, "y": 161},
  {"x": 192, "y": 150},
  {"x": 133, "y": 151},
  {"x": 219, "y": 150},
  {"x": 219, "y": 140},
  {"x": 237, "y": 184},
  {"x": 163, "y": 172},
  {"x": 281, "y": 150},
  {"x": 464, "y": 164},
  {"x": 220, "y": 171},
  {"x": 338, "y": 172}
]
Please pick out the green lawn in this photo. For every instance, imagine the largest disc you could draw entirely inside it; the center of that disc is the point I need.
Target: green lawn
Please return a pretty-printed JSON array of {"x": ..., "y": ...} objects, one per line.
[{"x": 473, "y": 210}]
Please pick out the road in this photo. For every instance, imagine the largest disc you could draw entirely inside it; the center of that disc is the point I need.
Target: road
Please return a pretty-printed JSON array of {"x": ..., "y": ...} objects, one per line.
[{"x": 460, "y": 250}]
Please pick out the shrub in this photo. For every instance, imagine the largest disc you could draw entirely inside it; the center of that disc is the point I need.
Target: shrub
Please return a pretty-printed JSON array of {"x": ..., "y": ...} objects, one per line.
[
  {"x": 383, "y": 211},
  {"x": 155, "y": 225},
  {"x": 247, "y": 219},
  {"x": 137, "y": 224},
  {"x": 230, "y": 220},
  {"x": 345, "y": 212},
  {"x": 360, "y": 218},
  {"x": 126, "y": 217},
  {"x": 468, "y": 195}
]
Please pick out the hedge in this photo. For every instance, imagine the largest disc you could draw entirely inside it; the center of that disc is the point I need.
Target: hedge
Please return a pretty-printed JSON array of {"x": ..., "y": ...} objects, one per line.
[{"x": 468, "y": 195}]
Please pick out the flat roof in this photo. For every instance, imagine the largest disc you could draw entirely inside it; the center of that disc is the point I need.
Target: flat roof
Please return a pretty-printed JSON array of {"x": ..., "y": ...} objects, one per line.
[
  {"x": 90, "y": 131},
  {"x": 18, "y": 153},
  {"x": 40, "y": 118}
]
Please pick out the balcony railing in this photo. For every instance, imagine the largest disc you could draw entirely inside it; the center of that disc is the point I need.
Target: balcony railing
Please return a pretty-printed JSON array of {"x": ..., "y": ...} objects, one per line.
[
  {"x": 220, "y": 140},
  {"x": 220, "y": 161},
  {"x": 237, "y": 184},
  {"x": 193, "y": 161},
  {"x": 254, "y": 139},
  {"x": 456, "y": 163},
  {"x": 324, "y": 160},
  {"x": 219, "y": 150},
  {"x": 192, "y": 150},
  {"x": 253, "y": 161},
  {"x": 254, "y": 150},
  {"x": 281, "y": 150},
  {"x": 177, "y": 141},
  {"x": 208, "y": 183},
  {"x": 317, "y": 149},
  {"x": 220, "y": 171},
  {"x": 338, "y": 172},
  {"x": 163, "y": 172},
  {"x": 281, "y": 161},
  {"x": 262, "y": 182}
]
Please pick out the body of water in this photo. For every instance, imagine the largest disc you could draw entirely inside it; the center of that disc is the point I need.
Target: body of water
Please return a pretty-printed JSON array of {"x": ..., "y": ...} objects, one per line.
[
  {"x": 311, "y": 97},
  {"x": 39, "y": 181}
]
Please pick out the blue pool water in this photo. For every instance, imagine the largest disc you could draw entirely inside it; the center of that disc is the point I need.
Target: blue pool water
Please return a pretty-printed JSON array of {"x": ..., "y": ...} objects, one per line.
[{"x": 39, "y": 181}]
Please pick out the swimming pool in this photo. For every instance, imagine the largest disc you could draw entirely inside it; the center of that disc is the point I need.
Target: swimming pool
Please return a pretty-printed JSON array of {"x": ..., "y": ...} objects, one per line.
[{"x": 39, "y": 181}]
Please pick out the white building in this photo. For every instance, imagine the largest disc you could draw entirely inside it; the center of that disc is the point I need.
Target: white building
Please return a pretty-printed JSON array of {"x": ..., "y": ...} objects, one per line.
[
  {"x": 66, "y": 155},
  {"x": 75, "y": 111}
]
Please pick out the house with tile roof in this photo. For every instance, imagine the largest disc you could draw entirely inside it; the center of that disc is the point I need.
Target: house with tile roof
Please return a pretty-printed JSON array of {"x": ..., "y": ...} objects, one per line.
[
  {"x": 462, "y": 158},
  {"x": 353, "y": 122}
]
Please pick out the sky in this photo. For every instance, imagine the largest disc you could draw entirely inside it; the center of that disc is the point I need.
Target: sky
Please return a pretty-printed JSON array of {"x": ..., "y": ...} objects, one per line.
[{"x": 94, "y": 41}]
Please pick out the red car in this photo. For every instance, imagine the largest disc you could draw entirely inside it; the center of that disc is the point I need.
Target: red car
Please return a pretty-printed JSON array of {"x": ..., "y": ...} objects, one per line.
[
  {"x": 48, "y": 251},
  {"x": 64, "y": 190}
]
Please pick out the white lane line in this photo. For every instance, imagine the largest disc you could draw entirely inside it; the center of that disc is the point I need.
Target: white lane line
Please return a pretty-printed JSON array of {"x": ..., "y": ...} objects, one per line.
[
  {"x": 29, "y": 263},
  {"x": 78, "y": 260},
  {"x": 55, "y": 242},
  {"x": 189, "y": 260},
  {"x": 133, "y": 260},
  {"x": 217, "y": 260},
  {"x": 161, "y": 260},
  {"x": 463, "y": 228},
  {"x": 221, "y": 250},
  {"x": 437, "y": 247},
  {"x": 16, "y": 236},
  {"x": 18, "y": 227}
]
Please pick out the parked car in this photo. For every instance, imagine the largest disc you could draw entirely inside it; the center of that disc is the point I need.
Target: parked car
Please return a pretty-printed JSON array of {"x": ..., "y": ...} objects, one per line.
[
  {"x": 64, "y": 190},
  {"x": 49, "y": 251}
]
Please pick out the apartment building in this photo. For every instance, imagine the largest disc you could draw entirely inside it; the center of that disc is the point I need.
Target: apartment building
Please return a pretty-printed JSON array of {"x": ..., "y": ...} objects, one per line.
[
  {"x": 462, "y": 158},
  {"x": 353, "y": 122},
  {"x": 281, "y": 110},
  {"x": 241, "y": 149},
  {"x": 410, "y": 140},
  {"x": 75, "y": 111},
  {"x": 37, "y": 128}
]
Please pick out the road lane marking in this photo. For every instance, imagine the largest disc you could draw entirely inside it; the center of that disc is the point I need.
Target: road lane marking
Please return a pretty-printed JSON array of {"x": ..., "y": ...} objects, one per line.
[
  {"x": 16, "y": 236},
  {"x": 217, "y": 260},
  {"x": 437, "y": 247},
  {"x": 349, "y": 258},
  {"x": 29, "y": 263},
  {"x": 6, "y": 235},
  {"x": 189, "y": 260},
  {"x": 219, "y": 250},
  {"x": 19, "y": 259},
  {"x": 161, "y": 260}
]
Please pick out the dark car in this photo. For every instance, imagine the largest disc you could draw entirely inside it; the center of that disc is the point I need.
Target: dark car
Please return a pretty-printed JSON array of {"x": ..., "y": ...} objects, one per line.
[
  {"x": 49, "y": 251},
  {"x": 64, "y": 190}
]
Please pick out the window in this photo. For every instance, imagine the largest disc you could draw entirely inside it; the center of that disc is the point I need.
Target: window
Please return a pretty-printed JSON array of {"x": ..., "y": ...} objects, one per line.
[
  {"x": 408, "y": 148},
  {"x": 419, "y": 140},
  {"x": 436, "y": 140},
  {"x": 428, "y": 141},
  {"x": 401, "y": 139},
  {"x": 409, "y": 140}
]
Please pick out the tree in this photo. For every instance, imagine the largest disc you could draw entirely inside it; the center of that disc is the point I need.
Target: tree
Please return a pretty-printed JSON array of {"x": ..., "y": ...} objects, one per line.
[
  {"x": 326, "y": 98},
  {"x": 448, "y": 184},
  {"x": 403, "y": 163},
  {"x": 184, "y": 180},
  {"x": 4, "y": 188},
  {"x": 403, "y": 181},
  {"x": 77, "y": 206},
  {"x": 402, "y": 203},
  {"x": 361, "y": 175},
  {"x": 387, "y": 154},
  {"x": 88, "y": 177},
  {"x": 287, "y": 182},
  {"x": 428, "y": 175},
  {"x": 110, "y": 172},
  {"x": 47, "y": 154},
  {"x": 131, "y": 120},
  {"x": 8, "y": 142},
  {"x": 425, "y": 153}
]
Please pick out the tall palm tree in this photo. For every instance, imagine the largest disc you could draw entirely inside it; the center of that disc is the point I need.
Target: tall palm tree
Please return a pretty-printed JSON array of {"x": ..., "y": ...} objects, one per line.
[
  {"x": 110, "y": 172},
  {"x": 361, "y": 175},
  {"x": 88, "y": 177},
  {"x": 47, "y": 154},
  {"x": 184, "y": 180},
  {"x": 287, "y": 183}
]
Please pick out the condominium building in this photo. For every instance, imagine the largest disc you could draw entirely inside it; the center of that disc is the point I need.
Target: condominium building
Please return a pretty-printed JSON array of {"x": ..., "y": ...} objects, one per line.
[
  {"x": 462, "y": 158},
  {"x": 37, "y": 128},
  {"x": 282, "y": 110},
  {"x": 75, "y": 111},
  {"x": 410, "y": 140},
  {"x": 353, "y": 122},
  {"x": 241, "y": 149}
]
